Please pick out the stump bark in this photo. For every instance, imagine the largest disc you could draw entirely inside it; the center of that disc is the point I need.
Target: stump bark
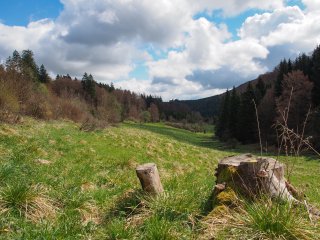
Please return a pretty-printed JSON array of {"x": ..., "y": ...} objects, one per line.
[
  {"x": 149, "y": 178},
  {"x": 252, "y": 176}
]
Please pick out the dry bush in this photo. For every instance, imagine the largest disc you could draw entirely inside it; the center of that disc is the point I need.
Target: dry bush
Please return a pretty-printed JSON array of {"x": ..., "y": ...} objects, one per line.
[
  {"x": 73, "y": 108},
  {"x": 38, "y": 106},
  {"x": 66, "y": 87},
  {"x": 92, "y": 124},
  {"x": 9, "y": 102},
  {"x": 108, "y": 109}
]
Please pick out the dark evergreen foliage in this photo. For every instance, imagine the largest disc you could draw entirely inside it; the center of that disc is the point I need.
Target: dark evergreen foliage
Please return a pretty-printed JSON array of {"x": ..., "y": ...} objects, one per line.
[
  {"x": 222, "y": 130},
  {"x": 260, "y": 90},
  {"x": 315, "y": 76},
  {"x": 43, "y": 75},
  {"x": 247, "y": 122},
  {"x": 29, "y": 67},
  {"x": 282, "y": 70},
  {"x": 298, "y": 80},
  {"x": 233, "y": 113},
  {"x": 89, "y": 85}
]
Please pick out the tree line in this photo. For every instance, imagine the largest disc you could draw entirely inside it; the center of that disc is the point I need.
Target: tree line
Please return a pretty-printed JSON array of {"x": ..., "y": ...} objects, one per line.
[
  {"x": 289, "y": 95},
  {"x": 27, "y": 89}
]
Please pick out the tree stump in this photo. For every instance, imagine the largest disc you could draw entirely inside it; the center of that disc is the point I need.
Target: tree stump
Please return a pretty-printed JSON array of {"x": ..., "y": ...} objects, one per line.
[
  {"x": 252, "y": 176},
  {"x": 149, "y": 178}
]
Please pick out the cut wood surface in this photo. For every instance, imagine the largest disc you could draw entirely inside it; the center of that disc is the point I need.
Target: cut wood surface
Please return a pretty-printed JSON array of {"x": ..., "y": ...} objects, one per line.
[
  {"x": 149, "y": 178},
  {"x": 251, "y": 176}
]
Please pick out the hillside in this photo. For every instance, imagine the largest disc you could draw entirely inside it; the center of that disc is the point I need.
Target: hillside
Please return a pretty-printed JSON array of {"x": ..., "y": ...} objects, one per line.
[
  {"x": 61, "y": 183},
  {"x": 209, "y": 107}
]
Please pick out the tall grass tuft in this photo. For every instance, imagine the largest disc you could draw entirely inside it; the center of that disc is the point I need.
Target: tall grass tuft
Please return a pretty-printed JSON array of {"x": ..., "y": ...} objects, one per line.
[
  {"x": 270, "y": 219},
  {"x": 24, "y": 200}
]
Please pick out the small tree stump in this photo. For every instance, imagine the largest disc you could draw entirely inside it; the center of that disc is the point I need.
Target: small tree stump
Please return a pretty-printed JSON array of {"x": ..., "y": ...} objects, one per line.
[
  {"x": 252, "y": 176},
  {"x": 149, "y": 178}
]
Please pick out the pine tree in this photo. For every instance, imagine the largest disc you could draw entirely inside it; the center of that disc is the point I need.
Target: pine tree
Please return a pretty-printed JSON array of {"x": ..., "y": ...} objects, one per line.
[
  {"x": 14, "y": 62},
  {"x": 233, "y": 113},
  {"x": 29, "y": 66},
  {"x": 315, "y": 77},
  {"x": 247, "y": 123},
  {"x": 222, "y": 125},
  {"x": 304, "y": 64},
  {"x": 289, "y": 66},
  {"x": 43, "y": 75},
  {"x": 89, "y": 86},
  {"x": 260, "y": 90},
  {"x": 282, "y": 70}
]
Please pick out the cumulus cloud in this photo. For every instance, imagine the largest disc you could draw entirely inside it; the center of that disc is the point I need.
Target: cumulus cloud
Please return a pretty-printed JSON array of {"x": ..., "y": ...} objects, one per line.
[
  {"x": 108, "y": 22},
  {"x": 285, "y": 32},
  {"x": 312, "y": 5},
  {"x": 107, "y": 38}
]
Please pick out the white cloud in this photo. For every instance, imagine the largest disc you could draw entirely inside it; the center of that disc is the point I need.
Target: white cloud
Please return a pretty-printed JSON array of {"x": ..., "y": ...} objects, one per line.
[
  {"x": 290, "y": 27},
  {"x": 262, "y": 24},
  {"x": 107, "y": 38},
  {"x": 20, "y": 38},
  {"x": 312, "y": 5}
]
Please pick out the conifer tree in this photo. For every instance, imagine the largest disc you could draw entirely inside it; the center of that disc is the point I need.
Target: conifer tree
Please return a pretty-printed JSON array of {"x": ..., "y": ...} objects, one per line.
[
  {"x": 43, "y": 75},
  {"x": 315, "y": 76},
  {"x": 29, "y": 66},
  {"x": 282, "y": 70},
  {"x": 247, "y": 123},
  {"x": 303, "y": 63},
  {"x": 260, "y": 90},
  {"x": 224, "y": 117},
  {"x": 89, "y": 86},
  {"x": 233, "y": 113},
  {"x": 14, "y": 62}
]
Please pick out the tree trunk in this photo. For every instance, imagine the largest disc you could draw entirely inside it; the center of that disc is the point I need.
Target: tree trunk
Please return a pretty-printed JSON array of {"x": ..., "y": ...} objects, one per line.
[
  {"x": 149, "y": 178},
  {"x": 252, "y": 176}
]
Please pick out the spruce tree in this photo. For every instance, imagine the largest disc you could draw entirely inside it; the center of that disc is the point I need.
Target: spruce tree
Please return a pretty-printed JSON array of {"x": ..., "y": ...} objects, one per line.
[
  {"x": 29, "y": 66},
  {"x": 247, "y": 123},
  {"x": 304, "y": 64},
  {"x": 14, "y": 62},
  {"x": 89, "y": 86},
  {"x": 260, "y": 90},
  {"x": 315, "y": 77},
  {"x": 282, "y": 70},
  {"x": 43, "y": 75},
  {"x": 222, "y": 124},
  {"x": 233, "y": 113}
]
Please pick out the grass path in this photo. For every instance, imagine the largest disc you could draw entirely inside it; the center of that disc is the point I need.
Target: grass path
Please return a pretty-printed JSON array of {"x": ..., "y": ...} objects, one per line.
[{"x": 79, "y": 185}]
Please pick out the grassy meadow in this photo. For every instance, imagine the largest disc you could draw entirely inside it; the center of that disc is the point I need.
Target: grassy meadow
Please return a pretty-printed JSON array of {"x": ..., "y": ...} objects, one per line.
[{"x": 57, "y": 182}]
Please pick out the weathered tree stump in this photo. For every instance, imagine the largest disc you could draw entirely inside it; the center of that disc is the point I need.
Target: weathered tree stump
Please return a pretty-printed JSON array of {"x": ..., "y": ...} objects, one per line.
[
  {"x": 149, "y": 178},
  {"x": 252, "y": 176}
]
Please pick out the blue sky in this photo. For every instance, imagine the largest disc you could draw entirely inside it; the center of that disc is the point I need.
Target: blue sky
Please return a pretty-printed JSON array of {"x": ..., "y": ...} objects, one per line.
[
  {"x": 178, "y": 49},
  {"x": 21, "y": 12}
]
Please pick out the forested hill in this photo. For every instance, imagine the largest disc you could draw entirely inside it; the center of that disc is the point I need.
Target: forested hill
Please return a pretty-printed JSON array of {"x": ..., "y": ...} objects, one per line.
[
  {"x": 209, "y": 107},
  {"x": 286, "y": 102}
]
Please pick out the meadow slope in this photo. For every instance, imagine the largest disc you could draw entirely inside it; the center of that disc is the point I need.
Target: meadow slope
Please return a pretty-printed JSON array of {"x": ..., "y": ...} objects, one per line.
[{"x": 57, "y": 182}]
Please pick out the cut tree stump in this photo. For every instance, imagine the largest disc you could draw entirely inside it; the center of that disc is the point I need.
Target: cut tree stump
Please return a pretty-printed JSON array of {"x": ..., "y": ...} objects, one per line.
[
  {"x": 149, "y": 178},
  {"x": 252, "y": 176}
]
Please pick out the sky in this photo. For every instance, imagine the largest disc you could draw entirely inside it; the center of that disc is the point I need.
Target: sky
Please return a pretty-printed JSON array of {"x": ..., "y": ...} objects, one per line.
[{"x": 177, "y": 49}]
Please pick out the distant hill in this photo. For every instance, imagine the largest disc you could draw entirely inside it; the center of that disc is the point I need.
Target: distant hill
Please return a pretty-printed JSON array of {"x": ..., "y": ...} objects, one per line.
[{"x": 209, "y": 107}]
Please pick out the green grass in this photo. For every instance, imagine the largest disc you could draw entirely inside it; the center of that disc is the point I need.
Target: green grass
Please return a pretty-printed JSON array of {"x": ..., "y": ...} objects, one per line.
[{"x": 57, "y": 182}]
